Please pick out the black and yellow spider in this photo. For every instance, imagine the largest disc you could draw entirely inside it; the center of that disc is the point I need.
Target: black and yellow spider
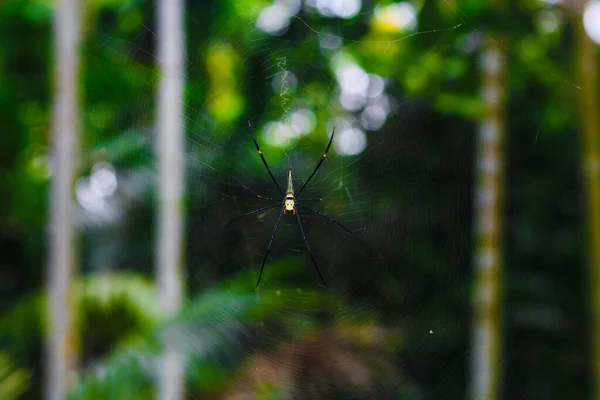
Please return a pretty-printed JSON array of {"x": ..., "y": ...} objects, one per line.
[{"x": 290, "y": 202}]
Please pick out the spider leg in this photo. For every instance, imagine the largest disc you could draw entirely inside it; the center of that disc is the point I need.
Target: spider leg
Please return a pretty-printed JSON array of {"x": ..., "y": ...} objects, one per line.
[
  {"x": 262, "y": 157},
  {"x": 318, "y": 165},
  {"x": 253, "y": 212},
  {"x": 308, "y": 247},
  {"x": 309, "y": 199},
  {"x": 326, "y": 217},
  {"x": 258, "y": 195},
  {"x": 270, "y": 243},
  {"x": 266, "y": 198}
]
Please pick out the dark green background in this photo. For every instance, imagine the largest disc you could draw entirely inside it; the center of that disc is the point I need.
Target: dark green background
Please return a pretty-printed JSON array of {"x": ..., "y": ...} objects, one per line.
[{"x": 411, "y": 198}]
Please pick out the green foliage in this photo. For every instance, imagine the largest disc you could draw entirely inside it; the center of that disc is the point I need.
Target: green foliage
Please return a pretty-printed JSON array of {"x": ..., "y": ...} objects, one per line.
[
  {"x": 409, "y": 192},
  {"x": 117, "y": 308},
  {"x": 13, "y": 380},
  {"x": 209, "y": 328}
]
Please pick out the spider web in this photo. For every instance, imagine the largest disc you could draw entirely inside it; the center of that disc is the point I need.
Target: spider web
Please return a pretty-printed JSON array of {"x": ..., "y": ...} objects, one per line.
[
  {"x": 398, "y": 194},
  {"x": 397, "y": 176}
]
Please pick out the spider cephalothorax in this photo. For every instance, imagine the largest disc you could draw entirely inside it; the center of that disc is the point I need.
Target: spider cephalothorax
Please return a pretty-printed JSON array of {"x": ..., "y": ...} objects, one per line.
[{"x": 291, "y": 203}]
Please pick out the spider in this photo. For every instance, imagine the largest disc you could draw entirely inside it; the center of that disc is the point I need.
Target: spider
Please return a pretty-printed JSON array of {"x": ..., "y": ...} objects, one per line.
[{"x": 291, "y": 202}]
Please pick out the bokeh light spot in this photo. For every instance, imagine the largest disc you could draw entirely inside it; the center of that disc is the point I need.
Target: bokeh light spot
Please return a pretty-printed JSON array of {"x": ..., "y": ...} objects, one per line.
[
  {"x": 350, "y": 142},
  {"x": 591, "y": 20}
]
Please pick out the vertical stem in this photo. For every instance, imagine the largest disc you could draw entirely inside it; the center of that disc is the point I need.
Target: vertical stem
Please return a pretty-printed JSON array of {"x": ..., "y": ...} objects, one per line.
[
  {"x": 61, "y": 259},
  {"x": 487, "y": 325},
  {"x": 587, "y": 70},
  {"x": 170, "y": 142}
]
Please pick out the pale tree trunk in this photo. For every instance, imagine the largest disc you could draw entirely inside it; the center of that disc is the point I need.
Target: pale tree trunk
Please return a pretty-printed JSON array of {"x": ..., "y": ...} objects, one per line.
[
  {"x": 589, "y": 105},
  {"x": 62, "y": 343},
  {"x": 489, "y": 158},
  {"x": 170, "y": 140}
]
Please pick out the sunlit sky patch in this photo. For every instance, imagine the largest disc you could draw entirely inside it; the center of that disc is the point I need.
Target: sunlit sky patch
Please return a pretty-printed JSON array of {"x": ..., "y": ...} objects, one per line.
[
  {"x": 352, "y": 79},
  {"x": 360, "y": 93},
  {"x": 278, "y": 134},
  {"x": 353, "y": 82},
  {"x": 301, "y": 122},
  {"x": 591, "y": 20},
  {"x": 93, "y": 193},
  {"x": 350, "y": 141},
  {"x": 376, "y": 86},
  {"x": 373, "y": 117},
  {"x": 275, "y": 18},
  {"x": 375, "y": 113},
  {"x": 357, "y": 87},
  {"x": 396, "y": 17},
  {"x": 103, "y": 180},
  {"x": 336, "y": 8}
]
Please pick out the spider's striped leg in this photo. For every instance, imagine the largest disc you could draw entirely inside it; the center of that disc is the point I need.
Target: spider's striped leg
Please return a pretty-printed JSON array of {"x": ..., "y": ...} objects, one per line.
[
  {"x": 270, "y": 243},
  {"x": 326, "y": 217},
  {"x": 265, "y": 198},
  {"x": 308, "y": 247},
  {"x": 253, "y": 212},
  {"x": 318, "y": 165},
  {"x": 258, "y": 195},
  {"x": 369, "y": 248},
  {"x": 262, "y": 157}
]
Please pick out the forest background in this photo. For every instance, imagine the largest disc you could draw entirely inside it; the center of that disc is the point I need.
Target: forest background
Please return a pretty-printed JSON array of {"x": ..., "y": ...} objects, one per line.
[{"x": 465, "y": 163}]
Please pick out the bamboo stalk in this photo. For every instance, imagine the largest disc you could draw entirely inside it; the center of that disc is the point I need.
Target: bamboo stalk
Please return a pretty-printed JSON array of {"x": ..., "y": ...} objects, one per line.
[
  {"x": 170, "y": 140},
  {"x": 487, "y": 323},
  {"x": 62, "y": 340},
  {"x": 587, "y": 71}
]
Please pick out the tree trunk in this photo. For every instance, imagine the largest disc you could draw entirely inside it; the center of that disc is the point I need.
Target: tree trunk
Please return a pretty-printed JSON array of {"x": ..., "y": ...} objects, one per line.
[
  {"x": 587, "y": 70},
  {"x": 170, "y": 140},
  {"x": 62, "y": 343},
  {"x": 487, "y": 324}
]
